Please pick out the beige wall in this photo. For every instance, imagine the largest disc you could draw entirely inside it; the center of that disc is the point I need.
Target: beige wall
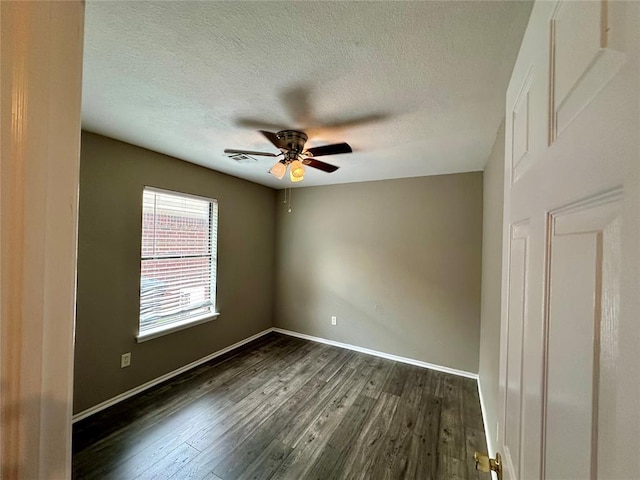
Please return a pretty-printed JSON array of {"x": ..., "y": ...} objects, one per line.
[
  {"x": 397, "y": 261},
  {"x": 112, "y": 176},
  {"x": 492, "y": 283}
]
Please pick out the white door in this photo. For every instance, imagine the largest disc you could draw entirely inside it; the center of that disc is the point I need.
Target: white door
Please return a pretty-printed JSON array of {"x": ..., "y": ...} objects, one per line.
[{"x": 570, "y": 343}]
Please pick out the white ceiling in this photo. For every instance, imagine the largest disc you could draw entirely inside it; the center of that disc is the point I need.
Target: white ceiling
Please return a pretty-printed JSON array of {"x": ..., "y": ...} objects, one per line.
[{"x": 188, "y": 79}]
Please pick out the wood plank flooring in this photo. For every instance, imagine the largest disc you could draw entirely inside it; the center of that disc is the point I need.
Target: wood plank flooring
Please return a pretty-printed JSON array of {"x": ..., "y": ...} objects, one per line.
[{"x": 285, "y": 408}]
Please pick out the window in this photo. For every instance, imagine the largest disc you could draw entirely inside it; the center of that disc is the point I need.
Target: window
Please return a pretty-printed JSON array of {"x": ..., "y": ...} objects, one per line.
[{"x": 178, "y": 265}]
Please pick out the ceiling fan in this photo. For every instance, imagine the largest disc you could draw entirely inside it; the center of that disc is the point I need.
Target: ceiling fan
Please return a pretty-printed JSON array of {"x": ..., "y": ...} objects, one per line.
[{"x": 294, "y": 156}]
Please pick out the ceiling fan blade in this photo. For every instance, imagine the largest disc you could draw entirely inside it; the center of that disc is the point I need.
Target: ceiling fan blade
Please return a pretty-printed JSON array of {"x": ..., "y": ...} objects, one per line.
[
  {"x": 272, "y": 138},
  {"x": 355, "y": 121},
  {"x": 257, "y": 124},
  {"x": 249, "y": 152},
  {"x": 297, "y": 102},
  {"x": 333, "y": 149},
  {"x": 325, "y": 167}
]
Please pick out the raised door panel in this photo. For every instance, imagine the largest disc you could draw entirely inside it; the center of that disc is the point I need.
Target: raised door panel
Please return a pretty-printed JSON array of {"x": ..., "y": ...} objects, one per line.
[
  {"x": 527, "y": 105},
  {"x": 521, "y": 129},
  {"x": 577, "y": 42},
  {"x": 582, "y": 62},
  {"x": 583, "y": 243},
  {"x": 518, "y": 280}
]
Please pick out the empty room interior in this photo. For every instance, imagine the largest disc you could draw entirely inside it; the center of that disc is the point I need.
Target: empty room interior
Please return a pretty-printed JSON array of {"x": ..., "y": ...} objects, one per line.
[{"x": 348, "y": 240}]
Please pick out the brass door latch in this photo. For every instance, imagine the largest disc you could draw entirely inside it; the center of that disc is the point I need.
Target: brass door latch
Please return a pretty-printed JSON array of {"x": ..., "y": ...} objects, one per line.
[{"x": 486, "y": 464}]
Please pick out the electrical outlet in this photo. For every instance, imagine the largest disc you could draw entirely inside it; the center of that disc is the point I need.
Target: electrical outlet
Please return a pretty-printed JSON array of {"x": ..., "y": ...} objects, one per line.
[
  {"x": 334, "y": 320},
  {"x": 125, "y": 360}
]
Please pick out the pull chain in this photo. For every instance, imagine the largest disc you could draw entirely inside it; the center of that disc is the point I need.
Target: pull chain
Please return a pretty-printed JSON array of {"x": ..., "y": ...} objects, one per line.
[{"x": 287, "y": 198}]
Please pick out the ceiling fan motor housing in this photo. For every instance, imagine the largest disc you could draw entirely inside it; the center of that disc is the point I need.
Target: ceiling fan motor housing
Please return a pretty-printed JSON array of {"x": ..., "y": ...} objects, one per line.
[{"x": 292, "y": 140}]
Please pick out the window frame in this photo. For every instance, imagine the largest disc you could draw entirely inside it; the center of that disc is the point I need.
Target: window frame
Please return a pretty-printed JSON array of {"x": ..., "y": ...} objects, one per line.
[{"x": 177, "y": 325}]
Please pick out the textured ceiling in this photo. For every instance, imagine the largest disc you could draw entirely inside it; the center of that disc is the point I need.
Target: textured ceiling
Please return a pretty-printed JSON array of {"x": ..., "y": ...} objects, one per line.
[{"x": 189, "y": 79}]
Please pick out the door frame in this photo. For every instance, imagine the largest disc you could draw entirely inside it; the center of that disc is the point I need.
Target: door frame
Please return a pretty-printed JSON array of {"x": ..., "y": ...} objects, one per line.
[{"x": 41, "y": 45}]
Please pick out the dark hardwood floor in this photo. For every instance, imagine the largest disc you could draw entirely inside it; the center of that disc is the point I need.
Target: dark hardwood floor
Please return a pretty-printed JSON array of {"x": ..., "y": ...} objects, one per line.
[{"x": 285, "y": 408}]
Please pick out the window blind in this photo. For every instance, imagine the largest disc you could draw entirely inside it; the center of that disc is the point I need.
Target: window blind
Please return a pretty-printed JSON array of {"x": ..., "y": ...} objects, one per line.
[{"x": 178, "y": 263}]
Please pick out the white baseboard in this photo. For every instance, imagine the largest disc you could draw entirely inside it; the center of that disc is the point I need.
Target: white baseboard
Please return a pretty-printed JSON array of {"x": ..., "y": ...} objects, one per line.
[
  {"x": 368, "y": 351},
  {"x": 130, "y": 393},
  {"x": 490, "y": 445}
]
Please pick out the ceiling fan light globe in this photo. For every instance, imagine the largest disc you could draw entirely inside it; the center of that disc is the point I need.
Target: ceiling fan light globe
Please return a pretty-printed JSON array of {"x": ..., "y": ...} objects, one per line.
[
  {"x": 297, "y": 169},
  {"x": 278, "y": 170},
  {"x": 295, "y": 179}
]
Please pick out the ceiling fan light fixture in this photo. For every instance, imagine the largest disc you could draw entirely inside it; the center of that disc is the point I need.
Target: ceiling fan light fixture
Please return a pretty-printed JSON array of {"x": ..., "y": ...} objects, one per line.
[
  {"x": 297, "y": 170},
  {"x": 278, "y": 170},
  {"x": 295, "y": 179}
]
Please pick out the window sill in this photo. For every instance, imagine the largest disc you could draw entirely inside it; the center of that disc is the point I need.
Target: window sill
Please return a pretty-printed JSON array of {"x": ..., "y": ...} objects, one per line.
[{"x": 174, "y": 327}]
